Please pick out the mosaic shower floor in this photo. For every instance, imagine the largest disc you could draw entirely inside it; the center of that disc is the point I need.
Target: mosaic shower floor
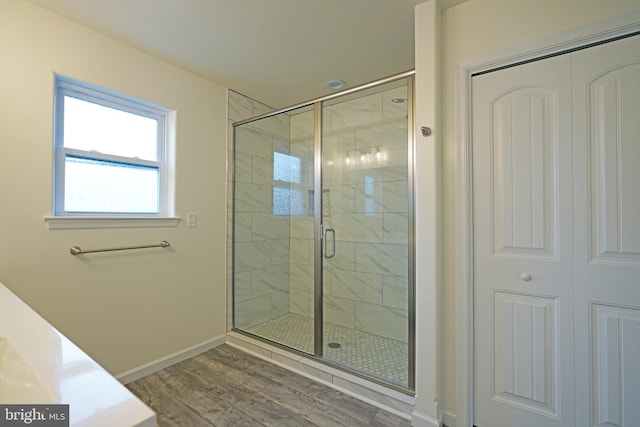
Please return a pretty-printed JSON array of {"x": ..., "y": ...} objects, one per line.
[{"x": 380, "y": 356}]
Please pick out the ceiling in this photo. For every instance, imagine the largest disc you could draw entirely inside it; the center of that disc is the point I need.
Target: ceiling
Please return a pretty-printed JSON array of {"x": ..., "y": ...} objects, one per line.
[{"x": 280, "y": 52}]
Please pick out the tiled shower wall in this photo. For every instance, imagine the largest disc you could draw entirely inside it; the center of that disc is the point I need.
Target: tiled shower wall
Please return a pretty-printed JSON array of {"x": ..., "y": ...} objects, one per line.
[
  {"x": 302, "y": 256},
  {"x": 241, "y": 107},
  {"x": 365, "y": 199},
  {"x": 365, "y": 285}
]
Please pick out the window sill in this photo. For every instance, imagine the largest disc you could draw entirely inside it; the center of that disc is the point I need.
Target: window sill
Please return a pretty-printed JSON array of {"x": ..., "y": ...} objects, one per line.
[{"x": 80, "y": 222}]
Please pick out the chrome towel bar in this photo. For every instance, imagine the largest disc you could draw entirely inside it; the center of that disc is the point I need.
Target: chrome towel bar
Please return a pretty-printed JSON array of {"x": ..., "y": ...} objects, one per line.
[{"x": 76, "y": 250}]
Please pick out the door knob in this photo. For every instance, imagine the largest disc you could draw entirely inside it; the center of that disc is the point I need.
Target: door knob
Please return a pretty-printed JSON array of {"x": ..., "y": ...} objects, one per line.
[{"x": 526, "y": 277}]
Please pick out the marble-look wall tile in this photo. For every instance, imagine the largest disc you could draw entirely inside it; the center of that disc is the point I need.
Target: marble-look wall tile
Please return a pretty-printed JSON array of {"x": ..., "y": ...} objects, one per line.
[
  {"x": 258, "y": 109},
  {"x": 396, "y": 166},
  {"x": 369, "y": 198},
  {"x": 253, "y": 198},
  {"x": 358, "y": 227},
  {"x": 302, "y": 123},
  {"x": 302, "y": 148},
  {"x": 252, "y": 255},
  {"x": 395, "y": 228},
  {"x": 291, "y": 238},
  {"x": 357, "y": 174},
  {"x": 301, "y": 302},
  {"x": 388, "y": 135},
  {"x": 395, "y": 196},
  {"x": 384, "y": 321},
  {"x": 391, "y": 260},
  {"x": 269, "y": 227},
  {"x": 280, "y": 303},
  {"x": 229, "y": 199},
  {"x": 356, "y": 171},
  {"x": 274, "y": 125},
  {"x": 396, "y": 173},
  {"x": 356, "y": 112},
  {"x": 307, "y": 175},
  {"x": 249, "y": 256},
  {"x": 240, "y": 107},
  {"x": 269, "y": 279},
  {"x": 326, "y": 281},
  {"x": 301, "y": 251},
  {"x": 242, "y": 226},
  {"x": 301, "y": 276},
  {"x": 279, "y": 251},
  {"x": 339, "y": 198},
  {"x": 345, "y": 258},
  {"x": 242, "y": 291},
  {"x": 335, "y": 144},
  {"x": 339, "y": 311},
  {"x": 377, "y": 197},
  {"x": 230, "y": 166},
  {"x": 302, "y": 227},
  {"x": 395, "y": 292},
  {"x": 242, "y": 166},
  {"x": 262, "y": 171},
  {"x": 357, "y": 286},
  {"x": 281, "y": 144},
  {"x": 397, "y": 157},
  {"x": 390, "y": 109},
  {"x": 254, "y": 142},
  {"x": 253, "y": 312}
]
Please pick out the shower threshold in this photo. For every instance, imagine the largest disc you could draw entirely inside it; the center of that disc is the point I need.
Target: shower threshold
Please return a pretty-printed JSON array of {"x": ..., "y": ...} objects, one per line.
[{"x": 372, "y": 354}]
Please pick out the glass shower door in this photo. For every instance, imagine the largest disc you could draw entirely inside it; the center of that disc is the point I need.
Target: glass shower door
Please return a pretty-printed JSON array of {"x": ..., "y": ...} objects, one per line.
[
  {"x": 322, "y": 230},
  {"x": 365, "y": 217},
  {"x": 274, "y": 229}
]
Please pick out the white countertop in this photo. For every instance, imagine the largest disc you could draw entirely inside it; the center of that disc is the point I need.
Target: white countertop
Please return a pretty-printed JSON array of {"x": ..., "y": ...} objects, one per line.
[{"x": 59, "y": 372}]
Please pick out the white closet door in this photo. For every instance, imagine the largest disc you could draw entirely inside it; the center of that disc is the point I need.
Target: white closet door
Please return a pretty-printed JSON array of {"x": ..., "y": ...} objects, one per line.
[
  {"x": 606, "y": 119},
  {"x": 523, "y": 246}
]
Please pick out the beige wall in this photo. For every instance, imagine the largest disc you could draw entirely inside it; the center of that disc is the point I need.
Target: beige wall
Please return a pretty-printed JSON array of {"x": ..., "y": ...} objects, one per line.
[
  {"x": 127, "y": 308},
  {"x": 474, "y": 28}
]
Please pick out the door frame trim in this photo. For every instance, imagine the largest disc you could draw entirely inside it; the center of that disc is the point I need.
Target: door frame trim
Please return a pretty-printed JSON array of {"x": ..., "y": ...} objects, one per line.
[{"x": 555, "y": 44}]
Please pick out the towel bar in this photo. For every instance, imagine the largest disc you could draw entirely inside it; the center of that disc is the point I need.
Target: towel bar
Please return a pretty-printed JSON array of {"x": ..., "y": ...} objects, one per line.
[{"x": 76, "y": 250}]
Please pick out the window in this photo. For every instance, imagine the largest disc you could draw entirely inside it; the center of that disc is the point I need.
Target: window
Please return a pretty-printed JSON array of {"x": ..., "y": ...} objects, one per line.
[
  {"x": 110, "y": 154},
  {"x": 288, "y": 200}
]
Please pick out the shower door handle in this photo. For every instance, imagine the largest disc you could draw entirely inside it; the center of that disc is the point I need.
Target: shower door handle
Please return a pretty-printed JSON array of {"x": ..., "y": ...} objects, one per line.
[{"x": 333, "y": 243}]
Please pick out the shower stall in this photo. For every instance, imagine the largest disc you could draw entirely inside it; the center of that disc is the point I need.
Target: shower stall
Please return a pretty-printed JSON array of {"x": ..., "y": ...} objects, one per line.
[{"x": 322, "y": 242}]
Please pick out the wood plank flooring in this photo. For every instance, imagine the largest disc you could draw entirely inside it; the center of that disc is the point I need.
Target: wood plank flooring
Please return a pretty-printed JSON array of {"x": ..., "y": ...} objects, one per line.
[{"x": 227, "y": 387}]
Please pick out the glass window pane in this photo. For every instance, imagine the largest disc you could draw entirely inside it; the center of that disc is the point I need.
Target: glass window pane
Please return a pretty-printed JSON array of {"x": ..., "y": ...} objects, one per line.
[
  {"x": 289, "y": 201},
  {"x": 99, "y": 186},
  {"x": 280, "y": 201},
  {"x": 286, "y": 168},
  {"x": 93, "y": 127}
]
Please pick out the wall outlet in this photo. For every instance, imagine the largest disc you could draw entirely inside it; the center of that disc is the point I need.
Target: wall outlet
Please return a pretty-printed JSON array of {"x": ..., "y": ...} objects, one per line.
[{"x": 192, "y": 220}]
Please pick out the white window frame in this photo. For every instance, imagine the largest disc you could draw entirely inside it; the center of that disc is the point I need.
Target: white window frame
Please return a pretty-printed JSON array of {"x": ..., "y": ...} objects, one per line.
[{"x": 90, "y": 93}]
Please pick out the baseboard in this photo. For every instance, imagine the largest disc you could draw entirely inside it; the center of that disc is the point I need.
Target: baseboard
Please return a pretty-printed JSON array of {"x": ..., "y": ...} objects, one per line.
[
  {"x": 449, "y": 419},
  {"x": 164, "y": 362},
  {"x": 419, "y": 419}
]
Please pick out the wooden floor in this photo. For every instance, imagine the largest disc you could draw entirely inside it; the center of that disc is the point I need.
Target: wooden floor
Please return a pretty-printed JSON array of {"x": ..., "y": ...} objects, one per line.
[{"x": 227, "y": 387}]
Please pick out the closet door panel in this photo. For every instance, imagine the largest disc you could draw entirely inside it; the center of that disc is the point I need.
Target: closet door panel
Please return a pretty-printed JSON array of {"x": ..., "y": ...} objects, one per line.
[
  {"x": 523, "y": 246},
  {"x": 606, "y": 118}
]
